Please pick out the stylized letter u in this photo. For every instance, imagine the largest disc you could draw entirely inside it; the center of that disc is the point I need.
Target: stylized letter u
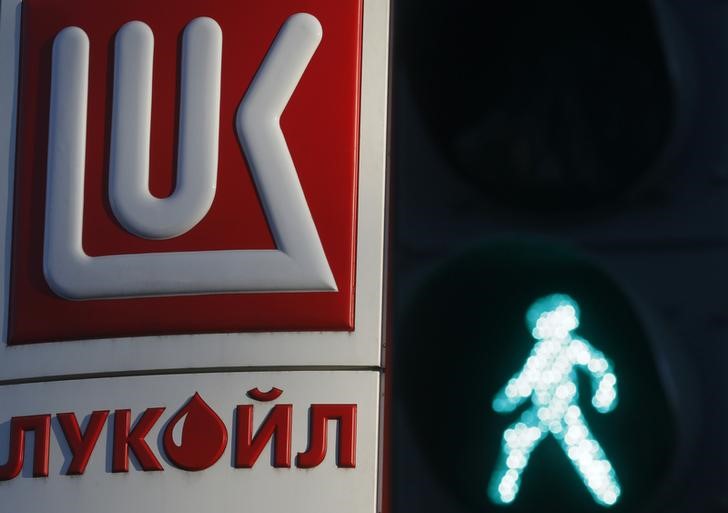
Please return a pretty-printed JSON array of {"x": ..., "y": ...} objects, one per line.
[{"x": 134, "y": 206}]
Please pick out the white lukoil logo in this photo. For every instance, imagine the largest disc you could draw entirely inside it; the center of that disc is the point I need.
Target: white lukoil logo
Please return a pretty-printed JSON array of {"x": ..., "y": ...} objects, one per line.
[{"x": 299, "y": 262}]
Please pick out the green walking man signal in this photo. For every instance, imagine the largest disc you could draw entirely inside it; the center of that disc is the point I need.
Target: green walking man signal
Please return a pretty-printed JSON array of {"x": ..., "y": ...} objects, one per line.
[{"x": 549, "y": 379}]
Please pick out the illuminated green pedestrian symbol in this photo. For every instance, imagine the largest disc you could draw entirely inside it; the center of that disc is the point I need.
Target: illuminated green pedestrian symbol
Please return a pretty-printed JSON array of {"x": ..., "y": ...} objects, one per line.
[{"x": 549, "y": 379}]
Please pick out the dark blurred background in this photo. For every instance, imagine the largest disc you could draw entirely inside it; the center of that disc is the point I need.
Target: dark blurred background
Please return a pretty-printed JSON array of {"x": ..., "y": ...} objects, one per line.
[{"x": 560, "y": 139}]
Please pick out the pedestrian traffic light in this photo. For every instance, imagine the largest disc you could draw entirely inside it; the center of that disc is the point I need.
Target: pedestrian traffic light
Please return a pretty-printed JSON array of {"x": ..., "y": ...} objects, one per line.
[
  {"x": 534, "y": 384},
  {"x": 558, "y": 253},
  {"x": 549, "y": 379}
]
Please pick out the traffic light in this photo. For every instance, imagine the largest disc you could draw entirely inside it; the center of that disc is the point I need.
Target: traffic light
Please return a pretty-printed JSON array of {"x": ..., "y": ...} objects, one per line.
[
  {"x": 560, "y": 237},
  {"x": 530, "y": 381}
]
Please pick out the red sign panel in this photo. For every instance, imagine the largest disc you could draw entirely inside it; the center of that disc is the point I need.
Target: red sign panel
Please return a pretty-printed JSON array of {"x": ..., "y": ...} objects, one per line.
[{"x": 228, "y": 251}]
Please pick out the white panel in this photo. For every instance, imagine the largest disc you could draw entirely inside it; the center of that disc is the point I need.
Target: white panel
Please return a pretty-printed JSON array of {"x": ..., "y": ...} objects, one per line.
[
  {"x": 221, "y": 488},
  {"x": 9, "y": 59},
  {"x": 361, "y": 347}
]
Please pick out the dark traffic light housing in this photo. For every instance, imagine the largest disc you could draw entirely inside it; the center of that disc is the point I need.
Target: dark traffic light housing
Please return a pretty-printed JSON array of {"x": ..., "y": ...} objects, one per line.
[
  {"x": 466, "y": 335},
  {"x": 572, "y": 149}
]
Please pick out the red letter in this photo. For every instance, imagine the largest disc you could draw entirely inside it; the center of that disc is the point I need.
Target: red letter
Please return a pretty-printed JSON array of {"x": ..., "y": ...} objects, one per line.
[
  {"x": 277, "y": 424},
  {"x": 41, "y": 427},
  {"x": 124, "y": 440},
  {"x": 81, "y": 445},
  {"x": 320, "y": 414},
  {"x": 271, "y": 395}
]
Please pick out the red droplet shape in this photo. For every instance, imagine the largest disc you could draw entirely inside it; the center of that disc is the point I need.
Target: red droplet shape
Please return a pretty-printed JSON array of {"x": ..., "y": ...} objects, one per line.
[{"x": 204, "y": 436}]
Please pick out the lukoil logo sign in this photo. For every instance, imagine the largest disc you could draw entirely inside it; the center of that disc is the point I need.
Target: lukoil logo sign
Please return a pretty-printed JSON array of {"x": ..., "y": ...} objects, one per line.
[
  {"x": 185, "y": 166},
  {"x": 280, "y": 441},
  {"x": 193, "y": 439}
]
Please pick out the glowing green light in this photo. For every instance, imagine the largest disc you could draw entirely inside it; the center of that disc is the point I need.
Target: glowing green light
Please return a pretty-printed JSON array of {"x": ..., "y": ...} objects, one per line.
[{"x": 549, "y": 379}]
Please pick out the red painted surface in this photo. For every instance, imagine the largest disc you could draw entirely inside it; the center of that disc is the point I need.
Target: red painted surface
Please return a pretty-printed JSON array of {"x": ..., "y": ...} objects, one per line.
[
  {"x": 320, "y": 124},
  {"x": 277, "y": 426},
  {"x": 204, "y": 436},
  {"x": 40, "y": 426},
  {"x": 271, "y": 395},
  {"x": 320, "y": 415},
  {"x": 127, "y": 439},
  {"x": 81, "y": 444}
]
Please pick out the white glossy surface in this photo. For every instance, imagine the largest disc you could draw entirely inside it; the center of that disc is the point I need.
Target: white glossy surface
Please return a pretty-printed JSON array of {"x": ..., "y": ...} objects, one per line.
[
  {"x": 266, "y": 150},
  {"x": 9, "y": 60},
  {"x": 362, "y": 347},
  {"x": 299, "y": 263},
  {"x": 219, "y": 489},
  {"x": 197, "y": 154}
]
